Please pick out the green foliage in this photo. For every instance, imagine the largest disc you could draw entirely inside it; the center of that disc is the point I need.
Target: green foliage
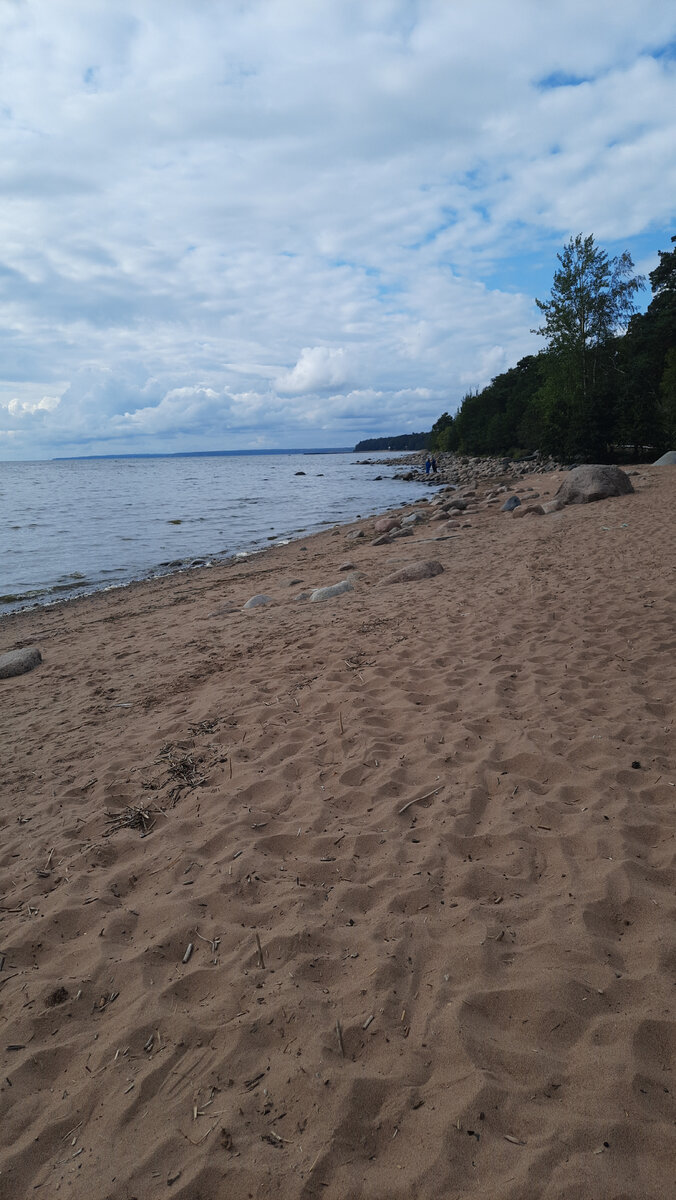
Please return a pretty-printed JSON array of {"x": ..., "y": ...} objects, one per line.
[
  {"x": 402, "y": 441},
  {"x": 668, "y": 400},
  {"x": 498, "y": 417},
  {"x": 592, "y": 296},
  {"x": 442, "y": 436},
  {"x": 597, "y": 391}
]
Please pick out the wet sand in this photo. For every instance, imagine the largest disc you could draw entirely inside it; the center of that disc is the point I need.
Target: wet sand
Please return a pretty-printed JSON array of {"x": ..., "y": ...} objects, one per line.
[{"x": 372, "y": 897}]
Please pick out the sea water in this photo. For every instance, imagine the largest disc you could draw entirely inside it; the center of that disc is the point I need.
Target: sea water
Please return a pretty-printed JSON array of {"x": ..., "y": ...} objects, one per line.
[{"x": 73, "y": 526}]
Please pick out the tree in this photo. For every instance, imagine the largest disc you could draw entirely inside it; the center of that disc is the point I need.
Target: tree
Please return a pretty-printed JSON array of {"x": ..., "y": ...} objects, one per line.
[
  {"x": 648, "y": 412},
  {"x": 441, "y": 438},
  {"x": 592, "y": 298}
]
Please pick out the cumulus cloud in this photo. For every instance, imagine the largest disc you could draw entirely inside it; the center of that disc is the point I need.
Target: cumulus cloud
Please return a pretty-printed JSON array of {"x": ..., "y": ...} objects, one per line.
[
  {"x": 318, "y": 367},
  {"x": 240, "y": 222}
]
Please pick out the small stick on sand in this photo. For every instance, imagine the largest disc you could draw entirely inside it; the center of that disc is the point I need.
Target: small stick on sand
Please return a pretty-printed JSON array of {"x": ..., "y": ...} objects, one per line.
[
  {"x": 418, "y": 799},
  {"x": 261, "y": 960},
  {"x": 340, "y": 721},
  {"x": 186, "y": 956},
  {"x": 340, "y": 1038}
]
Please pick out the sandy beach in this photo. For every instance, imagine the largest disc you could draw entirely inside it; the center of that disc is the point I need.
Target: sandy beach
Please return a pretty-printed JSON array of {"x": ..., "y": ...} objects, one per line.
[{"x": 368, "y": 897}]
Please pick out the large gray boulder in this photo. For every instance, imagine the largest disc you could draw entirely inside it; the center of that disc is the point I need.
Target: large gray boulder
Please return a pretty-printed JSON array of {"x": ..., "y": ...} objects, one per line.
[
  {"x": 18, "y": 662},
  {"x": 592, "y": 482},
  {"x": 416, "y": 571},
  {"x": 667, "y": 460}
]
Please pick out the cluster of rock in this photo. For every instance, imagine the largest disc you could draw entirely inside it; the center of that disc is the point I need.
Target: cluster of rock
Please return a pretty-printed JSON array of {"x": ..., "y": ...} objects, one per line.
[{"x": 461, "y": 470}]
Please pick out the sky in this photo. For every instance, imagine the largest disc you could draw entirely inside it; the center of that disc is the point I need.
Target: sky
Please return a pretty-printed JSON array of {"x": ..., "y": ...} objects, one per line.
[{"x": 231, "y": 224}]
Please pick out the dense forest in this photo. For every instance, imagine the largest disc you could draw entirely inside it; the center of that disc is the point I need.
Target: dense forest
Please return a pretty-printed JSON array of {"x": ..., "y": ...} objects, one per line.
[
  {"x": 592, "y": 392},
  {"x": 403, "y": 441}
]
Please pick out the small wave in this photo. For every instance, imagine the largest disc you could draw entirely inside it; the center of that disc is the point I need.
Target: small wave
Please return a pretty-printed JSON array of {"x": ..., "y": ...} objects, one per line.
[
  {"x": 17, "y": 597},
  {"x": 73, "y": 586}
]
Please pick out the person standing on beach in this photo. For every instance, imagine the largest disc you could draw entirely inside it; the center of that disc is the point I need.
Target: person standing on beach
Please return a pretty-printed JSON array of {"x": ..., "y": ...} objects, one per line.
[
  {"x": 428, "y": 465},
  {"x": 434, "y": 465}
]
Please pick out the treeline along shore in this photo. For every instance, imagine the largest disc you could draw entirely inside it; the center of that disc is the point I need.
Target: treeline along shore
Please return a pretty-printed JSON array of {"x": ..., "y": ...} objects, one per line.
[{"x": 604, "y": 387}]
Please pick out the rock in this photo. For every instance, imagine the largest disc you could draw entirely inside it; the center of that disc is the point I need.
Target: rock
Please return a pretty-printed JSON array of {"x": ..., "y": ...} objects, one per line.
[
  {"x": 593, "y": 482},
  {"x": 667, "y": 460},
  {"x": 334, "y": 589},
  {"x": 384, "y": 524},
  {"x": 399, "y": 533},
  {"x": 383, "y": 540},
  {"x": 416, "y": 571},
  {"x": 346, "y": 566},
  {"x": 458, "y": 503},
  {"x": 294, "y": 582},
  {"x": 299, "y": 472},
  {"x": 356, "y": 533},
  {"x": 511, "y": 504},
  {"x": 258, "y": 601},
  {"x": 18, "y": 662},
  {"x": 529, "y": 510},
  {"x": 303, "y": 596},
  {"x": 413, "y": 519}
]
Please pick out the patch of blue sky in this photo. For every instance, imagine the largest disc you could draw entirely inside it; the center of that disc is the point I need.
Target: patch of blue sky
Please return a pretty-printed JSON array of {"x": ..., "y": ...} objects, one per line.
[
  {"x": 527, "y": 272},
  {"x": 561, "y": 79},
  {"x": 449, "y": 216},
  {"x": 361, "y": 268},
  {"x": 666, "y": 53}
]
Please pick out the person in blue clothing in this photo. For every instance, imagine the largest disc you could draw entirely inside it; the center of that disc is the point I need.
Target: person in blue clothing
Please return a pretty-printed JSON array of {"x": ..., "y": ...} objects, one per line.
[{"x": 428, "y": 465}]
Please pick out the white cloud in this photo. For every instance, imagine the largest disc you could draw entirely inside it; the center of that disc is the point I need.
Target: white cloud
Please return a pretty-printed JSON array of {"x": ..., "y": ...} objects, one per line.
[
  {"x": 318, "y": 367},
  {"x": 231, "y": 220}
]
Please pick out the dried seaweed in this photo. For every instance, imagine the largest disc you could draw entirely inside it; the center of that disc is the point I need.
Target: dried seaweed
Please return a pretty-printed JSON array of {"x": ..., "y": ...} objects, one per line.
[{"x": 132, "y": 817}]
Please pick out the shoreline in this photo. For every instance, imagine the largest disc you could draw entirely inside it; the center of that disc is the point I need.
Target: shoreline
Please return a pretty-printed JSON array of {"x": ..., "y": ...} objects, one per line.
[
  {"x": 48, "y": 595},
  {"x": 361, "y": 897}
]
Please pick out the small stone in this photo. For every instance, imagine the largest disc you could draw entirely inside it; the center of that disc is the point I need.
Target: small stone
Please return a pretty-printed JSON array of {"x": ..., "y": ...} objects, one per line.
[
  {"x": 383, "y": 540},
  {"x": 347, "y": 566},
  {"x": 384, "y": 524},
  {"x": 511, "y": 504},
  {"x": 415, "y": 572},
  {"x": 334, "y": 589},
  {"x": 18, "y": 662},
  {"x": 355, "y": 533},
  {"x": 258, "y": 601}
]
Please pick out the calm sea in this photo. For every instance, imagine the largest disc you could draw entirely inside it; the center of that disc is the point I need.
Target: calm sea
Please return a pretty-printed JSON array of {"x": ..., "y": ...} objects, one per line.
[{"x": 78, "y": 525}]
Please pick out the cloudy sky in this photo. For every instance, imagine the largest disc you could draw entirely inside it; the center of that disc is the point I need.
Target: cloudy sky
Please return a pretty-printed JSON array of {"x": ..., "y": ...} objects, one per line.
[{"x": 253, "y": 223}]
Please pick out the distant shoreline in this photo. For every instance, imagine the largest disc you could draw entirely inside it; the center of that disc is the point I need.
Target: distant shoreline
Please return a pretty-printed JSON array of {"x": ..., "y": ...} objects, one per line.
[{"x": 201, "y": 454}]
